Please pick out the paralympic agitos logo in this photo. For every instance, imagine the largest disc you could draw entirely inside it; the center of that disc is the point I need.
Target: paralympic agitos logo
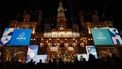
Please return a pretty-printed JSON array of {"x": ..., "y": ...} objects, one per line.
[
  {"x": 21, "y": 36},
  {"x": 101, "y": 36}
]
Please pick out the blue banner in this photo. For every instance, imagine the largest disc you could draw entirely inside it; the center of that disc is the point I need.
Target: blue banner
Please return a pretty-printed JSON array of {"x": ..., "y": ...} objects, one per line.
[
  {"x": 101, "y": 37},
  {"x": 21, "y": 37}
]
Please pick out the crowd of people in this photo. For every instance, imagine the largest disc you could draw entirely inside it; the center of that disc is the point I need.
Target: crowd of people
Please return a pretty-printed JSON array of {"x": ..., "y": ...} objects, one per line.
[{"x": 113, "y": 62}]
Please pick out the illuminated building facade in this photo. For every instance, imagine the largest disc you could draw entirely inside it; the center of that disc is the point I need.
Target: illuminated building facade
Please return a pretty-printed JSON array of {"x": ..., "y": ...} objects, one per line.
[{"x": 59, "y": 42}]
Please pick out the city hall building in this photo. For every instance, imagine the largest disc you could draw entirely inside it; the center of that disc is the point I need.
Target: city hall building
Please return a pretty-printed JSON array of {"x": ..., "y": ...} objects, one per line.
[{"x": 98, "y": 38}]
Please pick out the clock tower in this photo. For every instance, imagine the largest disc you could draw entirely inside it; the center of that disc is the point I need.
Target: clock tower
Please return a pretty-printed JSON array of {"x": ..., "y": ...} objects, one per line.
[{"x": 61, "y": 18}]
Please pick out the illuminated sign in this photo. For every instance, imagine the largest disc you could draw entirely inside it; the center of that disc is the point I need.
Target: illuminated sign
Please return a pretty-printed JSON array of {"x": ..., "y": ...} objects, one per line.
[
  {"x": 12, "y": 36},
  {"x": 21, "y": 37},
  {"x": 7, "y": 35},
  {"x": 91, "y": 50},
  {"x": 81, "y": 56},
  {"x": 61, "y": 34},
  {"x": 115, "y": 36},
  {"x": 101, "y": 37},
  {"x": 32, "y": 52},
  {"x": 40, "y": 57}
]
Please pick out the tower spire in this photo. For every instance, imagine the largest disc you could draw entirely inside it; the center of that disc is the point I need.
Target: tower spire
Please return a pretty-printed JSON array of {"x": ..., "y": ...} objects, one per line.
[{"x": 61, "y": 18}]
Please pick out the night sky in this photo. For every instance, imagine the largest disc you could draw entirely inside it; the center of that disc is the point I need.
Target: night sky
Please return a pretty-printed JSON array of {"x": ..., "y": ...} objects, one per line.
[{"x": 110, "y": 8}]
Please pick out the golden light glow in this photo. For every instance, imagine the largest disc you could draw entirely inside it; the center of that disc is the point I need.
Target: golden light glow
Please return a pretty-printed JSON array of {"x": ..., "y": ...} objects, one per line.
[
  {"x": 81, "y": 39},
  {"x": 31, "y": 39},
  {"x": 60, "y": 41},
  {"x": 33, "y": 31},
  {"x": 70, "y": 48},
  {"x": 49, "y": 44},
  {"x": 89, "y": 39},
  {"x": 73, "y": 38},
  {"x": 66, "y": 44},
  {"x": 54, "y": 48},
  {"x": 17, "y": 27},
  {"x": 61, "y": 34},
  {"x": 42, "y": 39},
  {"x": 49, "y": 39},
  {"x": 74, "y": 44},
  {"x": 65, "y": 39},
  {"x": 82, "y": 44},
  {"x": 34, "y": 39},
  {"x": 41, "y": 44},
  {"x": 58, "y": 44}
]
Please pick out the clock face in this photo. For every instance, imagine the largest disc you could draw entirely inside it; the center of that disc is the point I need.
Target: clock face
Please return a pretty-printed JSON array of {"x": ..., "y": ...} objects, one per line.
[{"x": 61, "y": 28}]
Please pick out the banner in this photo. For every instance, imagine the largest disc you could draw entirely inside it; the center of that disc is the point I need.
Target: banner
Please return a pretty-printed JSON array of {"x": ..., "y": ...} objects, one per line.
[
  {"x": 7, "y": 35},
  {"x": 12, "y": 36},
  {"x": 91, "y": 50},
  {"x": 21, "y": 37},
  {"x": 115, "y": 36},
  {"x": 32, "y": 52},
  {"x": 80, "y": 57},
  {"x": 40, "y": 57},
  {"x": 101, "y": 37},
  {"x": 32, "y": 55}
]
